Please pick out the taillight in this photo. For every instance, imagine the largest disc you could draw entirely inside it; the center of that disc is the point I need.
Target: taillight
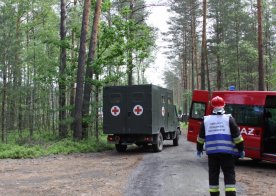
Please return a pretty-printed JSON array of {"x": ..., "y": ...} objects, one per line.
[
  {"x": 110, "y": 138},
  {"x": 148, "y": 139}
]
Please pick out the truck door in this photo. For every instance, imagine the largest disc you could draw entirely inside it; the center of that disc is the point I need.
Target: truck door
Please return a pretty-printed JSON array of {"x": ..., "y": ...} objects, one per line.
[
  {"x": 269, "y": 135},
  {"x": 114, "y": 110},
  {"x": 198, "y": 109},
  {"x": 249, "y": 119},
  {"x": 171, "y": 115},
  {"x": 138, "y": 112},
  {"x": 164, "y": 110}
]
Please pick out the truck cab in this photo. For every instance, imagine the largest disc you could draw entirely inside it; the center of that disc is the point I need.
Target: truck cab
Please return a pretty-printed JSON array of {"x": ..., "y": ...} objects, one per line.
[{"x": 254, "y": 112}]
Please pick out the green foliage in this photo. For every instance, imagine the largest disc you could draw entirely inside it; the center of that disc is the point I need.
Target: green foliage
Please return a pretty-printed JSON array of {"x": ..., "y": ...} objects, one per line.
[
  {"x": 232, "y": 42},
  {"x": 17, "y": 152},
  {"x": 68, "y": 146},
  {"x": 47, "y": 144},
  {"x": 184, "y": 128},
  {"x": 106, "y": 5}
]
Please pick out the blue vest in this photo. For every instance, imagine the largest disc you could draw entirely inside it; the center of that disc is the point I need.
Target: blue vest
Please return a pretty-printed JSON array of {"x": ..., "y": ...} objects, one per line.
[{"x": 218, "y": 135}]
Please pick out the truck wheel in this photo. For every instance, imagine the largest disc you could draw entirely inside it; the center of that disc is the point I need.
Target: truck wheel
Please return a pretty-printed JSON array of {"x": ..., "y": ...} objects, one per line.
[
  {"x": 120, "y": 147},
  {"x": 158, "y": 147},
  {"x": 176, "y": 139}
]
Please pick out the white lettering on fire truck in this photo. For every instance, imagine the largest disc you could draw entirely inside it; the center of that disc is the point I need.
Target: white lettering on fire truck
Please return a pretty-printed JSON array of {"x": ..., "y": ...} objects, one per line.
[{"x": 247, "y": 131}]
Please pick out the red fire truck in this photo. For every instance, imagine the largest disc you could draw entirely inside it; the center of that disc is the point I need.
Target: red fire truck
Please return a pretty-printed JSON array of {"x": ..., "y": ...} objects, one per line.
[{"x": 255, "y": 113}]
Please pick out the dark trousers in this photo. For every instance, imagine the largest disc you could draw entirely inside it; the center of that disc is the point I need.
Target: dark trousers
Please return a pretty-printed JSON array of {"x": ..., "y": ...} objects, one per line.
[{"x": 226, "y": 163}]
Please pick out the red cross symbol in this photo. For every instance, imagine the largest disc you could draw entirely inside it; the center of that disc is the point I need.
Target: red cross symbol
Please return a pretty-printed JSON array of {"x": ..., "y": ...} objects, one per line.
[
  {"x": 138, "y": 110},
  {"x": 115, "y": 110}
]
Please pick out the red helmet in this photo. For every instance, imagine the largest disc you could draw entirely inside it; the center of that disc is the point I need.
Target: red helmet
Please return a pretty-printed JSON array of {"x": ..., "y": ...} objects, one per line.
[{"x": 217, "y": 102}]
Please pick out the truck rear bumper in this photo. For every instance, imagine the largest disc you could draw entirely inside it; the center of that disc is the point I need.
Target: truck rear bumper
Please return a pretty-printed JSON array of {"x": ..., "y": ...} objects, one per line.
[{"x": 129, "y": 139}]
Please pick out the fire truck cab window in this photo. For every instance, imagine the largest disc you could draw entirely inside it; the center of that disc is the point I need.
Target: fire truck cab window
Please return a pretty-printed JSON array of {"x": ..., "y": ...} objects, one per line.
[
  {"x": 198, "y": 110},
  {"x": 138, "y": 97},
  {"x": 246, "y": 114},
  {"x": 115, "y": 98}
]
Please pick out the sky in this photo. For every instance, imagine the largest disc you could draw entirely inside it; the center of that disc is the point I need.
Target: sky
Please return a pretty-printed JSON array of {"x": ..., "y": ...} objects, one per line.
[{"x": 157, "y": 18}]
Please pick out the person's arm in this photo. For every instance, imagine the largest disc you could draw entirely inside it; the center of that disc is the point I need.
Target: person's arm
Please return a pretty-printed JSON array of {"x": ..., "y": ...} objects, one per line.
[
  {"x": 236, "y": 135},
  {"x": 201, "y": 138}
]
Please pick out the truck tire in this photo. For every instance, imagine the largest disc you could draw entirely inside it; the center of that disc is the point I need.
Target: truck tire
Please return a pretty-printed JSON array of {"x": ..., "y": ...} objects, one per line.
[
  {"x": 120, "y": 147},
  {"x": 158, "y": 147},
  {"x": 176, "y": 139}
]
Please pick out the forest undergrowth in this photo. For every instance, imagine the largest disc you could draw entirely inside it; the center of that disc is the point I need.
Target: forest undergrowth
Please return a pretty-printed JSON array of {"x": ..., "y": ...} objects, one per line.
[{"x": 43, "y": 144}]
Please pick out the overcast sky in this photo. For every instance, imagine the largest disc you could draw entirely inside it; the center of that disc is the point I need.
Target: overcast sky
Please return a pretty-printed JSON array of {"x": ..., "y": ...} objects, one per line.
[{"x": 157, "y": 18}]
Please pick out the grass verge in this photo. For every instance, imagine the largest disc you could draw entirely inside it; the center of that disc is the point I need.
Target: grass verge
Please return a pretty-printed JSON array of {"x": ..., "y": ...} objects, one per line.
[{"x": 46, "y": 145}]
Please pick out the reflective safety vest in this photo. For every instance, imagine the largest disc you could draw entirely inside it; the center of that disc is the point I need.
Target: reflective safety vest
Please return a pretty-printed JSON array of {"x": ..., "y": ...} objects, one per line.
[{"x": 218, "y": 135}]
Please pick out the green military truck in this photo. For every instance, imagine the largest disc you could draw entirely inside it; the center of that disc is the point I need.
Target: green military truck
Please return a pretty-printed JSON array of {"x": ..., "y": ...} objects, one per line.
[{"x": 141, "y": 115}]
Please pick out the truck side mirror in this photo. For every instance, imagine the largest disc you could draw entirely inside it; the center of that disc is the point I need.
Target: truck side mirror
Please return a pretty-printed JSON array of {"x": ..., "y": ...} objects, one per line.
[{"x": 183, "y": 118}]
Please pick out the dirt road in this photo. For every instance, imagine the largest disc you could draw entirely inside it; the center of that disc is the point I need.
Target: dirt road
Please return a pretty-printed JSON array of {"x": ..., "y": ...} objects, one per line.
[
  {"x": 174, "y": 171},
  {"x": 259, "y": 178},
  {"x": 76, "y": 174}
]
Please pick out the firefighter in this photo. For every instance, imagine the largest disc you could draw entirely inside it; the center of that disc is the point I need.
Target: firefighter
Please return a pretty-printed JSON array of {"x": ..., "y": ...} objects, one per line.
[{"x": 223, "y": 143}]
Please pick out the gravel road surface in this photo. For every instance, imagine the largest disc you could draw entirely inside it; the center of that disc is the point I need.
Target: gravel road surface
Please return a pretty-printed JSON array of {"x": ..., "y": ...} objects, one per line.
[{"x": 173, "y": 172}]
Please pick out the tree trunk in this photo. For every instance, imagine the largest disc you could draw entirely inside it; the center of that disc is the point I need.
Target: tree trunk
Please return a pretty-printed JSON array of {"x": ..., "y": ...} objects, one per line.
[
  {"x": 62, "y": 77},
  {"x": 52, "y": 101},
  {"x": 268, "y": 71},
  {"x": 238, "y": 80},
  {"x": 80, "y": 72},
  {"x": 203, "y": 47},
  {"x": 89, "y": 69},
  {"x": 193, "y": 32},
  {"x": 73, "y": 64},
  {"x": 129, "y": 52},
  {"x": 218, "y": 41},
  {"x": 4, "y": 101},
  {"x": 260, "y": 47},
  {"x": 32, "y": 95},
  {"x": 185, "y": 77},
  {"x": 207, "y": 70},
  {"x": 18, "y": 79},
  {"x": 97, "y": 132}
]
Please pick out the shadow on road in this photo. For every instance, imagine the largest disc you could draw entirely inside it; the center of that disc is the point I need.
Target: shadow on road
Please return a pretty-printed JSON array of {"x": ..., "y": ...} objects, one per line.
[
  {"x": 255, "y": 164},
  {"x": 134, "y": 149}
]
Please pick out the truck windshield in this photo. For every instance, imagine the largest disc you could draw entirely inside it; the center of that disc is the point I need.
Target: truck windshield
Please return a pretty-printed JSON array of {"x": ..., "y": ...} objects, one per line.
[
  {"x": 247, "y": 115},
  {"x": 198, "y": 110}
]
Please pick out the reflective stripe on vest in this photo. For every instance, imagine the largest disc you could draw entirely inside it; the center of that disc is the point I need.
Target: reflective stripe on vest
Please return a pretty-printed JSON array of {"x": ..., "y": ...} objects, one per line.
[{"x": 218, "y": 136}]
